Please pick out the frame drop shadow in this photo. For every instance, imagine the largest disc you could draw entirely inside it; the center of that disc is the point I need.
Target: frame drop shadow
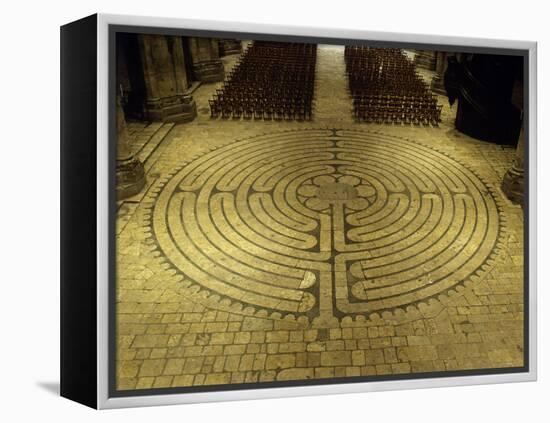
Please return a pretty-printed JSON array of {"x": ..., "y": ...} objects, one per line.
[{"x": 50, "y": 387}]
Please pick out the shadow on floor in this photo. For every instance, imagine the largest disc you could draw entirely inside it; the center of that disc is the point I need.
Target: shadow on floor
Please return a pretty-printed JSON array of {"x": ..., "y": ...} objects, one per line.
[{"x": 51, "y": 387}]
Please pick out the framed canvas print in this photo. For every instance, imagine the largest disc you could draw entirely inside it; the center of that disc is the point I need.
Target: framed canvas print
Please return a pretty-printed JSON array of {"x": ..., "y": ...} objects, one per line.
[{"x": 255, "y": 211}]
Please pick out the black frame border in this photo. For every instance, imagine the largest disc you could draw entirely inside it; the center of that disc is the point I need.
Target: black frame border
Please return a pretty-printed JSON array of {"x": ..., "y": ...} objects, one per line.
[{"x": 78, "y": 211}]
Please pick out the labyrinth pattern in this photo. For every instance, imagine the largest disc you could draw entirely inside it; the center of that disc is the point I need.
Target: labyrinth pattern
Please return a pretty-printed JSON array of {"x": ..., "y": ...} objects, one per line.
[{"x": 326, "y": 223}]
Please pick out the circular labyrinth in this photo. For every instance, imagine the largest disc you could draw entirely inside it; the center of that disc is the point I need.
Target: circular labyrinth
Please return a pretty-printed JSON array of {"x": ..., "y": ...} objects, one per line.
[{"x": 326, "y": 223}]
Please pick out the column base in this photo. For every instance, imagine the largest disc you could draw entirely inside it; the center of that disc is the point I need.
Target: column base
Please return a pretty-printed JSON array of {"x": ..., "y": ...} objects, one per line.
[
  {"x": 176, "y": 109},
  {"x": 513, "y": 185},
  {"x": 425, "y": 60},
  {"x": 229, "y": 46},
  {"x": 130, "y": 178},
  {"x": 438, "y": 85},
  {"x": 209, "y": 71}
]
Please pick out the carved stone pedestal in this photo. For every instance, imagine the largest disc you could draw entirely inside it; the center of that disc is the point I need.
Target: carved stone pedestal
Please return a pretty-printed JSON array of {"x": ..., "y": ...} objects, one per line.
[
  {"x": 177, "y": 109},
  {"x": 209, "y": 70},
  {"x": 165, "y": 79},
  {"x": 229, "y": 46},
  {"x": 130, "y": 178}
]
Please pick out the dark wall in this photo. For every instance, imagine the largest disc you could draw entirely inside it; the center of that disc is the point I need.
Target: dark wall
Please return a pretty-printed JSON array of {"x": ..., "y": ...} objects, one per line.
[
  {"x": 483, "y": 85},
  {"x": 130, "y": 78}
]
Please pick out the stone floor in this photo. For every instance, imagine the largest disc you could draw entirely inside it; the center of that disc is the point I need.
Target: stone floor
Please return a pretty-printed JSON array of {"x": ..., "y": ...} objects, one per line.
[{"x": 265, "y": 251}]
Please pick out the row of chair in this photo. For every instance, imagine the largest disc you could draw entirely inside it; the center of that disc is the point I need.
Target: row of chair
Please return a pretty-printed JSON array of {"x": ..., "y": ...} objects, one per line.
[
  {"x": 270, "y": 81},
  {"x": 386, "y": 88}
]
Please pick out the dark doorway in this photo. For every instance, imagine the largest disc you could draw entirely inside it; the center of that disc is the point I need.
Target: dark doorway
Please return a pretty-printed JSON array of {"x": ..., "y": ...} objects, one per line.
[
  {"x": 130, "y": 78},
  {"x": 188, "y": 62}
]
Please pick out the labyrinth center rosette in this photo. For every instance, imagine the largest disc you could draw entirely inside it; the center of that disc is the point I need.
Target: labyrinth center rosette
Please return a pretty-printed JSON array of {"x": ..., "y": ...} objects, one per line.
[{"x": 326, "y": 223}]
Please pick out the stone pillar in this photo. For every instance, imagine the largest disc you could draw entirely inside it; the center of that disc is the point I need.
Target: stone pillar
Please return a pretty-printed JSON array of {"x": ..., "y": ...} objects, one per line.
[
  {"x": 425, "y": 59},
  {"x": 130, "y": 174},
  {"x": 165, "y": 79},
  {"x": 229, "y": 46},
  {"x": 513, "y": 183},
  {"x": 438, "y": 85},
  {"x": 207, "y": 65}
]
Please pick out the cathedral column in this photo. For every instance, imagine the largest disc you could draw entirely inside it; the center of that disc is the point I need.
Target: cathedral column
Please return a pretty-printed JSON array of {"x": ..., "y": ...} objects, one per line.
[
  {"x": 229, "y": 46},
  {"x": 130, "y": 174},
  {"x": 513, "y": 183},
  {"x": 165, "y": 79},
  {"x": 207, "y": 65},
  {"x": 437, "y": 84},
  {"x": 425, "y": 59}
]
